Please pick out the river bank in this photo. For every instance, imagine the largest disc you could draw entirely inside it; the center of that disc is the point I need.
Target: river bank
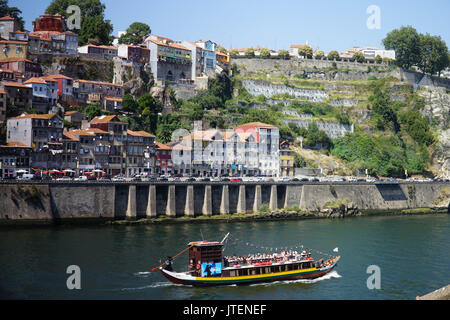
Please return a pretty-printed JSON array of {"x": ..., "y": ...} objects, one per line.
[{"x": 278, "y": 215}]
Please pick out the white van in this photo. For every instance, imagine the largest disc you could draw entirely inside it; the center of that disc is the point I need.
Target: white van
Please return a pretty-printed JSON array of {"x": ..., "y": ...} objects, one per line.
[{"x": 26, "y": 176}]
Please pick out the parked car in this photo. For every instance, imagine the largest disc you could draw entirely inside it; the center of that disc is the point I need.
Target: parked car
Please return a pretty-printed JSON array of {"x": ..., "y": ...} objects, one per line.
[
  {"x": 81, "y": 178},
  {"x": 26, "y": 177},
  {"x": 104, "y": 179},
  {"x": 189, "y": 179},
  {"x": 64, "y": 179},
  {"x": 91, "y": 178},
  {"x": 236, "y": 180}
]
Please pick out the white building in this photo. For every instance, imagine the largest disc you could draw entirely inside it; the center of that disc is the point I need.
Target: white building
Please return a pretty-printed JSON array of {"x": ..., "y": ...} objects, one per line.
[
  {"x": 252, "y": 148},
  {"x": 369, "y": 52}
]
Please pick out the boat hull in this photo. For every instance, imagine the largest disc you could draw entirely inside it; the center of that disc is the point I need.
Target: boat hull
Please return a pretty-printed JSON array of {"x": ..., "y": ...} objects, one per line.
[{"x": 184, "y": 279}]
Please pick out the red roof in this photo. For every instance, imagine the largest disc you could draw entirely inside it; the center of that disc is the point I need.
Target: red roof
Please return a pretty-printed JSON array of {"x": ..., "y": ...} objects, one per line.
[
  {"x": 55, "y": 76},
  {"x": 35, "y": 116},
  {"x": 104, "y": 119},
  {"x": 7, "y": 18},
  {"x": 15, "y": 144},
  {"x": 162, "y": 146},
  {"x": 15, "y": 84},
  {"x": 16, "y": 60},
  {"x": 139, "y": 134}
]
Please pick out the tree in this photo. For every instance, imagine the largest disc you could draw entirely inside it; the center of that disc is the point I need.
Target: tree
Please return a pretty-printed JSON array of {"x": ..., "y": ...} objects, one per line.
[
  {"x": 135, "y": 34},
  {"x": 196, "y": 112},
  {"x": 333, "y": 55},
  {"x": 147, "y": 104},
  {"x": 249, "y": 52},
  {"x": 359, "y": 57},
  {"x": 92, "y": 111},
  {"x": 433, "y": 54},
  {"x": 305, "y": 51},
  {"x": 283, "y": 54},
  {"x": 378, "y": 59},
  {"x": 13, "y": 12},
  {"x": 264, "y": 53},
  {"x": 234, "y": 53},
  {"x": 319, "y": 54},
  {"x": 94, "y": 27},
  {"x": 129, "y": 104},
  {"x": 299, "y": 161},
  {"x": 167, "y": 124},
  {"x": 383, "y": 114},
  {"x": 222, "y": 49},
  {"x": 406, "y": 43}
]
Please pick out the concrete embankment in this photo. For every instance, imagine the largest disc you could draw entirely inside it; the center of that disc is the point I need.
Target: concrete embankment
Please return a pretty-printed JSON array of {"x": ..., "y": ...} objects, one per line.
[{"x": 47, "y": 203}]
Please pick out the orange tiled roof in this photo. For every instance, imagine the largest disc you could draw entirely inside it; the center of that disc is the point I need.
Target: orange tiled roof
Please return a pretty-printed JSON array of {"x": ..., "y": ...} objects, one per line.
[
  {"x": 15, "y": 144},
  {"x": 35, "y": 116},
  {"x": 13, "y": 42},
  {"x": 99, "y": 82},
  {"x": 16, "y": 59},
  {"x": 139, "y": 134},
  {"x": 55, "y": 76},
  {"x": 68, "y": 113},
  {"x": 113, "y": 99},
  {"x": 15, "y": 84},
  {"x": 256, "y": 125},
  {"x": 36, "y": 80},
  {"x": 70, "y": 136},
  {"x": 104, "y": 119},
  {"x": 96, "y": 130},
  {"x": 6, "y": 18},
  {"x": 162, "y": 146}
]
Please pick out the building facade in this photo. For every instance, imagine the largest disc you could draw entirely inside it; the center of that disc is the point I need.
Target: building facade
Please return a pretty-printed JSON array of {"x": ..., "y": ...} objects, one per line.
[{"x": 168, "y": 60}]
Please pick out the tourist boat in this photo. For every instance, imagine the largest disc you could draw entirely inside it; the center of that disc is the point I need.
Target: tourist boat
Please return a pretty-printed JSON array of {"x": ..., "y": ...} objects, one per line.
[{"x": 207, "y": 267}]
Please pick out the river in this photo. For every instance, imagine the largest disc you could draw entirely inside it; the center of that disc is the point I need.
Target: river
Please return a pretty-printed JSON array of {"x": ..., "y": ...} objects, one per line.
[{"x": 412, "y": 253}]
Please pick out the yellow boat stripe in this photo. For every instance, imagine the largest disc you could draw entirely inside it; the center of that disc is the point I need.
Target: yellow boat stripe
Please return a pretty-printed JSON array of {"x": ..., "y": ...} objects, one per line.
[{"x": 257, "y": 275}]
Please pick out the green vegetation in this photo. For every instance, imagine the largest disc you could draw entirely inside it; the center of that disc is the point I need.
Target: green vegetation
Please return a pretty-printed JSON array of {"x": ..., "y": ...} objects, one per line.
[
  {"x": 13, "y": 12},
  {"x": 305, "y": 51},
  {"x": 94, "y": 27},
  {"x": 249, "y": 53},
  {"x": 283, "y": 54},
  {"x": 399, "y": 142},
  {"x": 429, "y": 53},
  {"x": 264, "y": 53},
  {"x": 92, "y": 110},
  {"x": 264, "y": 208},
  {"x": 319, "y": 54},
  {"x": 333, "y": 55},
  {"x": 337, "y": 203},
  {"x": 359, "y": 57},
  {"x": 135, "y": 34}
]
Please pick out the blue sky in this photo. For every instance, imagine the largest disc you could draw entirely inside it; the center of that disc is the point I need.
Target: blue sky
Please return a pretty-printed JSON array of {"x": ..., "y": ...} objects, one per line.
[{"x": 328, "y": 24}]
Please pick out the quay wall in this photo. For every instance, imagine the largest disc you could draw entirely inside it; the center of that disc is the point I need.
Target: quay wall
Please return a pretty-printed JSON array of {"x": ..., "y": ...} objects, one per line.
[{"x": 48, "y": 202}]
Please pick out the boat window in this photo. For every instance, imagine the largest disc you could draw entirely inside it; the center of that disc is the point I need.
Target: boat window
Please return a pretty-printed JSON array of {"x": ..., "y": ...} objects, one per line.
[
  {"x": 253, "y": 271},
  {"x": 295, "y": 266},
  {"x": 283, "y": 268},
  {"x": 289, "y": 267},
  {"x": 267, "y": 270},
  {"x": 274, "y": 269},
  {"x": 233, "y": 273},
  {"x": 258, "y": 270},
  {"x": 243, "y": 272}
]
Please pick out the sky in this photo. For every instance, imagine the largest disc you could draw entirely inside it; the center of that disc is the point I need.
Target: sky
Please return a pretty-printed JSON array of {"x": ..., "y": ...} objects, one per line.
[{"x": 325, "y": 24}]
